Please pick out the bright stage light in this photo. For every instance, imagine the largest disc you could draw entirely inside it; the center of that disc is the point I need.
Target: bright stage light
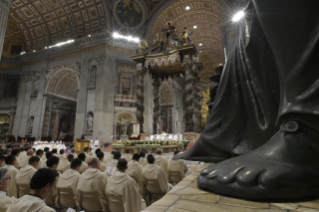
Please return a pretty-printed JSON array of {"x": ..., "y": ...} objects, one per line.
[
  {"x": 22, "y": 53},
  {"x": 195, "y": 27},
  {"x": 128, "y": 38},
  {"x": 187, "y": 7},
  {"x": 200, "y": 44},
  {"x": 238, "y": 16},
  {"x": 61, "y": 44}
]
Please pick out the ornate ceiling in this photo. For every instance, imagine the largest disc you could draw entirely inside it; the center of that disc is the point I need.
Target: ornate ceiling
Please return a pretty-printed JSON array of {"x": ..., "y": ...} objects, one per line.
[{"x": 36, "y": 24}]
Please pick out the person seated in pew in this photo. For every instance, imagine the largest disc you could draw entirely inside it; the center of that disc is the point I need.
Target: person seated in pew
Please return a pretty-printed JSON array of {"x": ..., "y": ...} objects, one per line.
[
  {"x": 160, "y": 160},
  {"x": 127, "y": 156},
  {"x": 121, "y": 184},
  {"x": 176, "y": 166},
  {"x": 97, "y": 151},
  {"x": 53, "y": 163},
  {"x": 93, "y": 180},
  {"x": 5, "y": 201},
  {"x": 12, "y": 190},
  {"x": 64, "y": 163},
  {"x": 111, "y": 166},
  {"x": 100, "y": 156},
  {"x": 24, "y": 161},
  {"x": 55, "y": 152},
  {"x": 70, "y": 178},
  {"x": 134, "y": 170},
  {"x": 16, "y": 153},
  {"x": 73, "y": 152},
  {"x": 84, "y": 165},
  {"x": 46, "y": 149},
  {"x": 108, "y": 157},
  {"x": 87, "y": 152},
  {"x": 26, "y": 173},
  {"x": 42, "y": 162},
  {"x": 143, "y": 160},
  {"x": 42, "y": 183},
  {"x": 155, "y": 172},
  {"x": 2, "y": 157}
]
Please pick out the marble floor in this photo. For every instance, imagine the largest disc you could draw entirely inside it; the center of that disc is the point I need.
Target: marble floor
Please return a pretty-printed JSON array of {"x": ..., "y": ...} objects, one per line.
[{"x": 186, "y": 197}]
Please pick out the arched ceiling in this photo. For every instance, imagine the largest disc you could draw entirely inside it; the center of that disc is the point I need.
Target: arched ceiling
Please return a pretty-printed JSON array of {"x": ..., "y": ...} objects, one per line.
[
  {"x": 36, "y": 24},
  {"x": 207, "y": 16},
  {"x": 40, "y": 23}
]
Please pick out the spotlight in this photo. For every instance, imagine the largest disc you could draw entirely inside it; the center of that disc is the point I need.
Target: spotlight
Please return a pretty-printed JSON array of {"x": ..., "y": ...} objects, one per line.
[
  {"x": 61, "y": 44},
  {"x": 195, "y": 27},
  {"x": 22, "y": 53},
  {"x": 187, "y": 8},
  {"x": 238, "y": 16},
  {"x": 116, "y": 35},
  {"x": 200, "y": 44},
  {"x": 89, "y": 35},
  {"x": 45, "y": 47}
]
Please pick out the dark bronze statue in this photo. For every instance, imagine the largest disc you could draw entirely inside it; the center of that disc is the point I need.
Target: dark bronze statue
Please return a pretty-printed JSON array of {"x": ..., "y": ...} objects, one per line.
[{"x": 266, "y": 108}]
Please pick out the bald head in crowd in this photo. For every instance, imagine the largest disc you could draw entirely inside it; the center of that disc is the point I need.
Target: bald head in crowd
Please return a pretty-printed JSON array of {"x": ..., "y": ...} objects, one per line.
[
  {"x": 94, "y": 162},
  {"x": 30, "y": 152}
]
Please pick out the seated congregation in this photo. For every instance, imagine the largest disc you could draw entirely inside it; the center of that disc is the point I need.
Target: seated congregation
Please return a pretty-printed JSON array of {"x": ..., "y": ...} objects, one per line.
[{"x": 53, "y": 181}]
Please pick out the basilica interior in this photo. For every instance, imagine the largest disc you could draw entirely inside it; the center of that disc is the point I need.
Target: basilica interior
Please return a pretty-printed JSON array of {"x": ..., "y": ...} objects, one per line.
[{"x": 86, "y": 67}]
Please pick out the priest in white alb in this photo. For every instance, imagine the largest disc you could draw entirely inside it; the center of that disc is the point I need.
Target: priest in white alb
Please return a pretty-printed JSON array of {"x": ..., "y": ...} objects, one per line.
[
  {"x": 93, "y": 180},
  {"x": 121, "y": 184},
  {"x": 135, "y": 171},
  {"x": 160, "y": 160},
  {"x": 41, "y": 185},
  {"x": 127, "y": 156},
  {"x": 5, "y": 201},
  {"x": 84, "y": 165},
  {"x": 111, "y": 166},
  {"x": 12, "y": 190},
  {"x": 24, "y": 160}
]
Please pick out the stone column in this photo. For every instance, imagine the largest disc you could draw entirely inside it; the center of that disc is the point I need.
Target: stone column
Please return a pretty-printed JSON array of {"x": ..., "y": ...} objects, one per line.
[
  {"x": 156, "y": 110},
  {"x": 140, "y": 95},
  {"x": 189, "y": 95},
  {"x": 197, "y": 106},
  {"x": 4, "y": 13},
  {"x": 57, "y": 124},
  {"x": 12, "y": 114}
]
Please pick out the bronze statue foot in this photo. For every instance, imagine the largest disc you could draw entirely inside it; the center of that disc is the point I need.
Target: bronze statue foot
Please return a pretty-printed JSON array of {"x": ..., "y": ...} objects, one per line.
[
  {"x": 285, "y": 168},
  {"x": 199, "y": 153}
]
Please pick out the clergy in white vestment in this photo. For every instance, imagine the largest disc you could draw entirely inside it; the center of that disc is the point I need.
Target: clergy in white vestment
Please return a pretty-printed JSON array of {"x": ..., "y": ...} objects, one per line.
[
  {"x": 12, "y": 190},
  {"x": 16, "y": 153},
  {"x": 24, "y": 160},
  {"x": 53, "y": 163},
  {"x": 70, "y": 178},
  {"x": 73, "y": 152},
  {"x": 2, "y": 157},
  {"x": 93, "y": 180},
  {"x": 64, "y": 163},
  {"x": 143, "y": 160},
  {"x": 127, "y": 156},
  {"x": 100, "y": 156},
  {"x": 26, "y": 173},
  {"x": 87, "y": 152},
  {"x": 55, "y": 152},
  {"x": 155, "y": 172},
  {"x": 42, "y": 163},
  {"x": 108, "y": 158},
  {"x": 121, "y": 184},
  {"x": 176, "y": 166},
  {"x": 41, "y": 185},
  {"x": 135, "y": 171},
  {"x": 84, "y": 165},
  {"x": 5, "y": 201},
  {"x": 111, "y": 166},
  {"x": 46, "y": 149},
  {"x": 160, "y": 160}
]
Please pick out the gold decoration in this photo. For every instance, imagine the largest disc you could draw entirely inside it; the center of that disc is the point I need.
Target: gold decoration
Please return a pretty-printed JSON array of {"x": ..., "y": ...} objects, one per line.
[
  {"x": 204, "y": 110},
  {"x": 125, "y": 116},
  {"x": 81, "y": 144}
]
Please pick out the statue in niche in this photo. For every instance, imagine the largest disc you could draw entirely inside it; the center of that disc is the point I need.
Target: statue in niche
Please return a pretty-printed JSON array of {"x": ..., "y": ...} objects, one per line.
[
  {"x": 92, "y": 78},
  {"x": 90, "y": 123},
  {"x": 30, "y": 125},
  {"x": 124, "y": 125},
  {"x": 35, "y": 88},
  {"x": 185, "y": 36}
]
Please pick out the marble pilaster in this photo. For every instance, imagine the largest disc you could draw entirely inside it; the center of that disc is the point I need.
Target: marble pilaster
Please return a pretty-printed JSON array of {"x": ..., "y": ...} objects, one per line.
[
  {"x": 140, "y": 95},
  {"x": 4, "y": 13}
]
